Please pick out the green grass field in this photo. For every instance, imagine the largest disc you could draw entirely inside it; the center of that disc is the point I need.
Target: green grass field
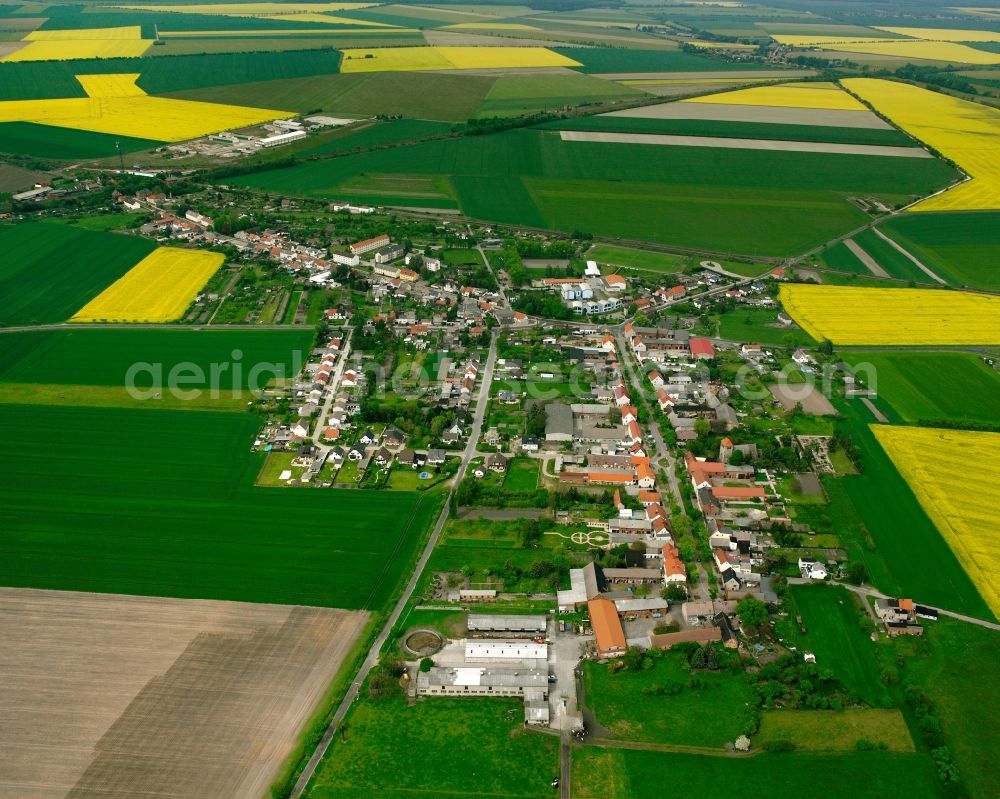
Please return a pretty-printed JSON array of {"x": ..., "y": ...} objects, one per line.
[
  {"x": 710, "y": 716},
  {"x": 830, "y": 615},
  {"x": 909, "y": 558},
  {"x": 760, "y": 325},
  {"x": 623, "y": 774},
  {"x": 931, "y": 386},
  {"x": 440, "y": 747},
  {"x": 960, "y": 247},
  {"x": 512, "y": 95},
  {"x": 757, "y": 203},
  {"x": 645, "y": 260},
  {"x": 737, "y": 130},
  {"x": 840, "y": 258},
  {"x": 103, "y": 357},
  {"x": 48, "y": 79},
  {"x": 956, "y": 665},
  {"x": 617, "y": 59},
  {"x": 889, "y": 258},
  {"x": 416, "y": 95},
  {"x": 399, "y": 130},
  {"x": 47, "y": 141},
  {"x": 86, "y": 262},
  {"x": 522, "y": 475},
  {"x": 162, "y": 503},
  {"x": 832, "y": 731}
]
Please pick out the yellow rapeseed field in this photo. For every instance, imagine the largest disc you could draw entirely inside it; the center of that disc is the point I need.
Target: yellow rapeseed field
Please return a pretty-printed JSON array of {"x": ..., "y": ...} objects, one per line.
[
  {"x": 721, "y": 46},
  {"x": 965, "y": 132},
  {"x": 157, "y": 289},
  {"x": 116, "y": 105},
  {"x": 61, "y": 45},
  {"x": 70, "y": 49},
  {"x": 929, "y": 51},
  {"x": 263, "y": 33},
  {"x": 953, "y": 474},
  {"x": 826, "y": 96},
  {"x": 398, "y": 59},
  {"x": 117, "y": 85},
  {"x": 928, "y": 44},
  {"x": 125, "y": 32},
  {"x": 826, "y": 42},
  {"x": 945, "y": 35},
  {"x": 855, "y": 315},
  {"x": 252, "y": 9}
]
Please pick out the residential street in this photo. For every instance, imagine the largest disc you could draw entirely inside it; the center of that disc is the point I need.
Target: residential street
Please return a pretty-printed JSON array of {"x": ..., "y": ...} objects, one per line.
[
  {"x": 372, "y": 657},
  {"x": 331, "y": 391}
]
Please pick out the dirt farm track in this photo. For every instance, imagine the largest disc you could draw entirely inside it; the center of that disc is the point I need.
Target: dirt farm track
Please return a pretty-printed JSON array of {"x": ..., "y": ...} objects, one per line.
[{"x": 116, "y": 696}]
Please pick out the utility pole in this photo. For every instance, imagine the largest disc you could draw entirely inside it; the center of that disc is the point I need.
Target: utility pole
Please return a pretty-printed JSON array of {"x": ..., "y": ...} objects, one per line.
[{"x": 121, "y": 160}]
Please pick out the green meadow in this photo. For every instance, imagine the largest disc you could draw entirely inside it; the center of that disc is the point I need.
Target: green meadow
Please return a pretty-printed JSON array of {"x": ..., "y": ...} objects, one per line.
[
  {"x": 600, "y": 773},
  {"x": 879, "y": 517},
  {"x": 48, "y": 141},
  {"x": 738, "y": 130},
  {"x": 830, "y": 615},
  {"x": 50, "y": 271},
  {"x": 103, "y": 357},
  {"x": 716, "y": 712},
  {"x": 761, "y": 203},
  {"x": 467, "y": 747},
  {"x": 417, "y": 95},
  {"x": 163, "y": 503},
  {"x": 955, "y": 664},
  {"x": 960, "y": 247},
  {"x": 927, "y": 387}
]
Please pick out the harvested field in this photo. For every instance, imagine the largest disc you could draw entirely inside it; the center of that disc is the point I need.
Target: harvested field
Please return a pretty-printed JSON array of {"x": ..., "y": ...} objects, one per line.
[
  {"x": 789, "y": 395},
  {"x": 744, "y": 144},
  {"x": 112, "y": 696},
  {"x": 830, "y": 117}
]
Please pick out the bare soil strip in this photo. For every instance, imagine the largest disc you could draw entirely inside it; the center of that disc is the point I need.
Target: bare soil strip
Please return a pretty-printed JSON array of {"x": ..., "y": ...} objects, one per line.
[
  {"x": 832, "y": 118},
  {"x": 744, "y": 144},
  {"x": 879, "y": 416},
  {"x": 811, "y": 398},
  {"x": 900, "y": 249},
  {"x": 865, "y": 258},
  {"x": 110, "y": 696}
]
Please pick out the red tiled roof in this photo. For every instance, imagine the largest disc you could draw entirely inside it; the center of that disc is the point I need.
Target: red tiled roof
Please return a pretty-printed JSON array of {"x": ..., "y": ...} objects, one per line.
[
  {"x": 608, "y": 632},
  {"x": 738, "y": 492},
  {"x": 701, "y": 346}
]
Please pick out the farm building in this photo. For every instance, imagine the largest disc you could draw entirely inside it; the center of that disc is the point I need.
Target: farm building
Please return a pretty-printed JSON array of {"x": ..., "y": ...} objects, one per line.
[
  {"x": 507, "y": 625},
  {"x": 505, "y": 650},
  {"x": 530, "y": 684},
  {"x": 608, "y": 633}
]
